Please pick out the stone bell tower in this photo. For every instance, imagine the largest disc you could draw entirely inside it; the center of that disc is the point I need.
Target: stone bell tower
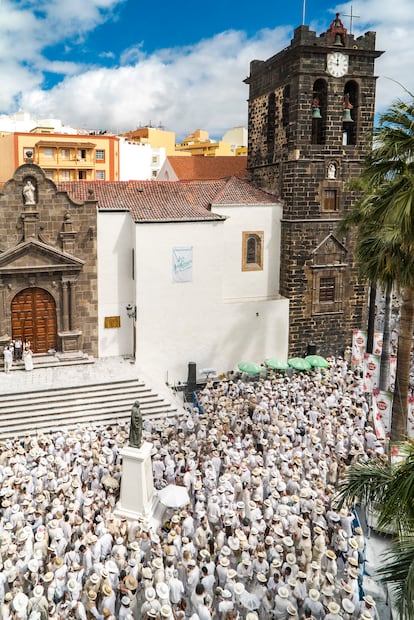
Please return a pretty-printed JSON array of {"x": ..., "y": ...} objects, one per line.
[{"x": 311, "y": 113}]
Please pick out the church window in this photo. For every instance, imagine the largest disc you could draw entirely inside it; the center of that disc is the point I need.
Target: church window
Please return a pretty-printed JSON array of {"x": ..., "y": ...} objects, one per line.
[
  {"x": 326, "y": 289},
  {"x": 330, "y": 200},
  {"x": 252, "y": 254}
]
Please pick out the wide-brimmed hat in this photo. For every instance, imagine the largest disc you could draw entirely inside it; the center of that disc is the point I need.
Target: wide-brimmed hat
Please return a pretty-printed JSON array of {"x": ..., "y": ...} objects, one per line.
[
  {"x": 162, "y": 589},
  {"x": 348, "y": 605},
  {"x": 283, "y": 592},
  {"x": 150, "y": 594},
  {"x": 334, "y": 607},
  {"x": 314, "y": 594},
  {"x": 107, "y": 589},
  {"x": 130, "y": 582},
  {"x": 20, "y": 602}
]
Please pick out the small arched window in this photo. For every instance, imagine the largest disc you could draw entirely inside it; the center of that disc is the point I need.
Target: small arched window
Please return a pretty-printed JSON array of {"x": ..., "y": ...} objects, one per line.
[{"x": 252, "y": 251}]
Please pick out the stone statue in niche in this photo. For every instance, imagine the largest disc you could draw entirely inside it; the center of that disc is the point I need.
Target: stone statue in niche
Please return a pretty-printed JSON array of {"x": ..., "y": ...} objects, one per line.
[
  {"x": 331, "y": 170},
  {"x": 29, "y": 193}
]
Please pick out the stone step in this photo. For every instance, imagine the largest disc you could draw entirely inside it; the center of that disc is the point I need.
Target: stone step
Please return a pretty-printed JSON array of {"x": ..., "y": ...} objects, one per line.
[
  {"x": 13, "y": 402},
  {"x": 63, "y": 407},
  {"x": 65, "y": 389}
]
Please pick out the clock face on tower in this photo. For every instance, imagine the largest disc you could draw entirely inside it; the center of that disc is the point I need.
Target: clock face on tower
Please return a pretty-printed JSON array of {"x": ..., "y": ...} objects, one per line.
[{"x": 337, "y": 64}]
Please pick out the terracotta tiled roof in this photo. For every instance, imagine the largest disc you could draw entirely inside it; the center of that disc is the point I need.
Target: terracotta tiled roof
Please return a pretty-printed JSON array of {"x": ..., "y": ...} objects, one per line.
[
  {"x": 220, "y": 167},
  {"x": 157, "y": 201}
]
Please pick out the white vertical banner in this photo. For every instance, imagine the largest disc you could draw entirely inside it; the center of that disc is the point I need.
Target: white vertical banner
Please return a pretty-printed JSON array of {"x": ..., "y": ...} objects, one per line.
[
  {"x": 359, "y": 345},
  {"x": 182, "y": 264},
  {"x": 377, "y": 343},
  {"x": 371, "y": 369},
  {"x": 393, "y": 371},
  {"x": 382, "y": 409}
]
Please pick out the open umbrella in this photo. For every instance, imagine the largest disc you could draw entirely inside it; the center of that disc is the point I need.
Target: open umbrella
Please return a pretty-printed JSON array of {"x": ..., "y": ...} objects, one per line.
[
  {"x": 317, "y": 361},
  {"x": 250, "y": 368},
  {"x": 276, "y": 364},
  {"x": 173, "y": 496},
  {"x": 249, "y": 600},
  {"x": 299, "y": 363}
]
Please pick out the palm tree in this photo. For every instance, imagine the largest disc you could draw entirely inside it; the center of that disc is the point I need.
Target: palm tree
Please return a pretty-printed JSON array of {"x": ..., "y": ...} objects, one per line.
[
  {"x": 388, "y": 489},
  {"x": 384, "y": 217}
]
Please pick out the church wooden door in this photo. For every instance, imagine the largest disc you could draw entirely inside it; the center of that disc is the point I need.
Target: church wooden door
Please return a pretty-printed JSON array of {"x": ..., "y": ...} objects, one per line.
[{"x": 33, "y": 313}]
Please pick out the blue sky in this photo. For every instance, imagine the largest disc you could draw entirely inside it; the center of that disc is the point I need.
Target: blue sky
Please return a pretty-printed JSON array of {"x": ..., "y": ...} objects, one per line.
[{"x": 118, "y": 64}]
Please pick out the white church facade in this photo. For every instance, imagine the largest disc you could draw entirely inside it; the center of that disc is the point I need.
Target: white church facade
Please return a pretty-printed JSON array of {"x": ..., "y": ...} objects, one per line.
[{"x": 169, "y": 273}]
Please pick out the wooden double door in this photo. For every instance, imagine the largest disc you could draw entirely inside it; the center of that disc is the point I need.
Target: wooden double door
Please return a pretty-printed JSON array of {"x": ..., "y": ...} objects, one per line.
[{"x": 33, "y": 317}]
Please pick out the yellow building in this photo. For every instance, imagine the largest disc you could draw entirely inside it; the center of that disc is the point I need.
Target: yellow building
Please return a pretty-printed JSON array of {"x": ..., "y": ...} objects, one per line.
[
  {"x": 157, "y": 138},
  {"x": 198, "y": 143},
  {"x": 63, "y": 157}
]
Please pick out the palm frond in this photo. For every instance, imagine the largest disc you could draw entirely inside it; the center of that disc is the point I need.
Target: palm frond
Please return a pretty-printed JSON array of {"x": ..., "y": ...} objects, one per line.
[{"x": 398, "y": 572}]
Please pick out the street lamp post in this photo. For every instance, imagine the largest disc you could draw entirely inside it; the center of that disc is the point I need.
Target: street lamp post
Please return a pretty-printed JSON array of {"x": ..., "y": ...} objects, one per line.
[{"x": 132, "y": 314}]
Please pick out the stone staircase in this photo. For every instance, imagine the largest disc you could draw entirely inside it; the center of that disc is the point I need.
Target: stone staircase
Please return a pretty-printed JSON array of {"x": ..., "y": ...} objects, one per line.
[{"x": 55, "y": 408}]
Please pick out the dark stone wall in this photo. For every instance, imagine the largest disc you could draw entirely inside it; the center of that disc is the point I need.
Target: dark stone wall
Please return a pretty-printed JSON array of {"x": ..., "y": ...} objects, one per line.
[{"x": 63, "y": 236}]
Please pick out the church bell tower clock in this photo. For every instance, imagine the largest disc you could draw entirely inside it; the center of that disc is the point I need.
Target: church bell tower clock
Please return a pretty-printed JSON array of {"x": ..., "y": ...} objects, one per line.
[{"x": 311, "y": 114}]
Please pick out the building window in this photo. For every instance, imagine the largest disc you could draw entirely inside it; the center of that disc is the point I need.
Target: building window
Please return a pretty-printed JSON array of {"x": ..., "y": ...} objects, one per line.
[
  {"x": 100, "y": 175},
  {"x": 48, "y": 152},
  {"x": 154, "y": 174},
  {"x": 155, "y": 160},
  {"x": 65, "y": 153},
  {"x": 100, "y": 155},
  {"x": 82, "y": 175},
  {"x": 81, "y": 153},
  {"x": 326, "y": 289},
  {"x": 330, "y": 200},
  {"x": 252, "y": 251},
  {"x": 65, "y": 175}
]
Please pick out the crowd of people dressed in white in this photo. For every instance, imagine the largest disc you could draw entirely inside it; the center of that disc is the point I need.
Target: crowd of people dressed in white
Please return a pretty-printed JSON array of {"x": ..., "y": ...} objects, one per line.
[{"x": 260, "y": 538}]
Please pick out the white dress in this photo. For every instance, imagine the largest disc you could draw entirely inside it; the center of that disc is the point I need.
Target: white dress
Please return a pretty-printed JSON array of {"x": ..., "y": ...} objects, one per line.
[{"x": 28, "y": 360}]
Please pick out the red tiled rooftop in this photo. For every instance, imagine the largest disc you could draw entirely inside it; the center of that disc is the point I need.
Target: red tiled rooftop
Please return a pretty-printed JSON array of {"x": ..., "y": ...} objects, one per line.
[
  {"x": 165, "y": 200},
  {"x": 220, "y": 167}
]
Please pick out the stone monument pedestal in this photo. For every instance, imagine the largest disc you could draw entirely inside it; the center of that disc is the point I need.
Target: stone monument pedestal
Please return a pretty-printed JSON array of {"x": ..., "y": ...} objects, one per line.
[{"x": 138, "y": 498}]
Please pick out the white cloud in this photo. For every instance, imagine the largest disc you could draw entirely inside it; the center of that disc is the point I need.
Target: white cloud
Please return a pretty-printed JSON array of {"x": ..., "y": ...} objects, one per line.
[
  {"x": 393, "y": 21},
  {"x": 199, "y": 86},
  {"x": 183, "y": 88},
  {"x": 28, "y": 27}
]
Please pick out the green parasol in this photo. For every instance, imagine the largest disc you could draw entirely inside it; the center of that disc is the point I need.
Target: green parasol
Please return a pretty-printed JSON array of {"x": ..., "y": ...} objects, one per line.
[
  {"x": 317, "y": 361},
  {"x": 299, "y": 363},
  {"x": 276, "y": 364},
  {"x": 251, "y": 368}
]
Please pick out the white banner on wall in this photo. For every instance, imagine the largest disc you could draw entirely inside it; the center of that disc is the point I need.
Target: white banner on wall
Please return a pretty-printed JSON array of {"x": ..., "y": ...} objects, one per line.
[
  {"x": 382, "y": 408},
  {"x": 359, "y": 343},
  {"x": 182, "y": 259},
  {"x": 371, "y": 369}
]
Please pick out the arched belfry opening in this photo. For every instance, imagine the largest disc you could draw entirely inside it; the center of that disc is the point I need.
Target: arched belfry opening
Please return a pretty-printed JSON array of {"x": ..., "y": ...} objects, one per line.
[
  {"x": 350, "y": 108},
  {"x": 319, "y": 111}
]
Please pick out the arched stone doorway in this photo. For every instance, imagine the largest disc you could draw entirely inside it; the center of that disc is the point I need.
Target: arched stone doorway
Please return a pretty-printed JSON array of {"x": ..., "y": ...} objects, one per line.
[{"x": 33, "y": 314}]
